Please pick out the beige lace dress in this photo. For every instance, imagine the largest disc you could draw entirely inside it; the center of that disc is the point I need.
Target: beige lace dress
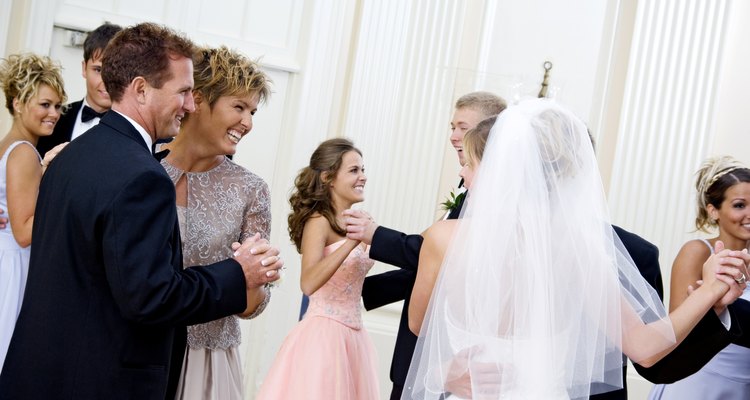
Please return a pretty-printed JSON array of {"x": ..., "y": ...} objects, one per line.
[{"x": 225, "y": 204}]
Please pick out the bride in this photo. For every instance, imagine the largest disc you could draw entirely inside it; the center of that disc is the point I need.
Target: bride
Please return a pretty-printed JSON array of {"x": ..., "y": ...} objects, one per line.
[{"x": 535, "y": 297}]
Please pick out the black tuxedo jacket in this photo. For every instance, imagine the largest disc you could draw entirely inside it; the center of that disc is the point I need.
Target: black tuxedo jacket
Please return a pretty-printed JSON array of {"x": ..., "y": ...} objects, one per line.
[
  {"x": 646, "y": 258},
  {"x": 63, "y": 129},
  {"x": 402, "y": 250},
  {"x": 107, "y": 299},
  {"x": 702, "y": 343}
]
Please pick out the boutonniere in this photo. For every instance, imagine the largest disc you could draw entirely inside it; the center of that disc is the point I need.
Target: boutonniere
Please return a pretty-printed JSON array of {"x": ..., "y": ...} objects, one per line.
[{"x": 453, "y": 200}]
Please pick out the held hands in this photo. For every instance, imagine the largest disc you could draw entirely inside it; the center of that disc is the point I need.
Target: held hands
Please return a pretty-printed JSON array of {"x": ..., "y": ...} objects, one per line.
[
  {"x": 726, "y": 272},
  {"x": 359, "y": 225},
  {"x": 259, "y": 260}
]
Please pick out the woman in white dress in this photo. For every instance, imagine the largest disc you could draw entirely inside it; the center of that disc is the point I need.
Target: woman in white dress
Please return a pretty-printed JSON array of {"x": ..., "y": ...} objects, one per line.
[
  {"x": 535, "y": 297},
  {"x": 34, "y": 93},
  {"x": 723, "y": 197},
  {"x": 218, "y": 202}
]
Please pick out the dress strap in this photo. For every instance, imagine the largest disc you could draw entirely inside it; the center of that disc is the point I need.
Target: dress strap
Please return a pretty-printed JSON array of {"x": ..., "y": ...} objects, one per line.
[
  {"x": 710, "y": 248},
  {"x": 14, "y": 144}
]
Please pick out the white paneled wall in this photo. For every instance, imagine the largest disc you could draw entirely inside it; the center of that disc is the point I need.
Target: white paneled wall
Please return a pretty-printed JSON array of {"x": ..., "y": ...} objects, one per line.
[
  {"x": 667, "y": 118},
  {"x": 5, "y": 6},
  {"x": 400, "y": 104}
]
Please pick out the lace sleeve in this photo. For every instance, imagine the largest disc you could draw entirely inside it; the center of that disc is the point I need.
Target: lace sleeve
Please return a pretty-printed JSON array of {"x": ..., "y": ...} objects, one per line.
[
  {"x": 257, "y": 218},
  {"x": 262, "y": 305}
]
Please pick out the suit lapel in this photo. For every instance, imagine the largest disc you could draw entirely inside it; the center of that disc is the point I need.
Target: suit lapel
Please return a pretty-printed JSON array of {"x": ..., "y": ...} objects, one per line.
[{"x": 122, "y": 126}]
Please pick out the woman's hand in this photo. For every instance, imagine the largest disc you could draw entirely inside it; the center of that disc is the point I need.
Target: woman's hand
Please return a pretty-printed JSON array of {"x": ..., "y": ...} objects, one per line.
[
  {"x": 726, "y": 272},
  {"x": 51, "y": 154}
]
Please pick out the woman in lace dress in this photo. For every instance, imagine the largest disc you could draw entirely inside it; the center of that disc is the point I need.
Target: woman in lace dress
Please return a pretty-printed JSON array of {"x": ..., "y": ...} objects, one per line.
[
  {"x": 218, "y": 202},
  {"x": 34, "y": 93},
  {"x": 328, "y": 355},
  {"x": 723, "y": 194}
]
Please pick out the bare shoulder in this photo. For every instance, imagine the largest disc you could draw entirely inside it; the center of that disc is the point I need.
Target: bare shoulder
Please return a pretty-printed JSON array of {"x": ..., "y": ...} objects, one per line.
[
  {"x": 316, "y": 224},
  {"x": 691, "y": 257},
  {"x": 25, "y": 151},
  {"x": 440, "y": 230},
  {"x": 695, "y": 248},
  {"x": 438, "y": 236}
]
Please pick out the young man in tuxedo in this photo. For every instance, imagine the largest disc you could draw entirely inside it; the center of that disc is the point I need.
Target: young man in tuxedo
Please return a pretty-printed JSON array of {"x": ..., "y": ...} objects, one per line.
[
  {"x": 82, "y": 115},
  {"x": 107, "y": 299},
  {"x": 402, "y": 250}
]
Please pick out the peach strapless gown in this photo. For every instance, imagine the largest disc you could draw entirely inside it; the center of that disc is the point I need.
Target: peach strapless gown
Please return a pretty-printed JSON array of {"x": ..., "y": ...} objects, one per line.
[{"x": 328, "y": 355}]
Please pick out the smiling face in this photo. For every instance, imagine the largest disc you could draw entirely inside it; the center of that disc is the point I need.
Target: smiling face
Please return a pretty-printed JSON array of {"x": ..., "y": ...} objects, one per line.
[
  {"x": 169, "y": 104},
  {"x": 96, "y": 93},
  {"x": 463, "y": 119},
  {"x": 733, "y": 217},
  {"x": 348, "y": 186},
  {"x": 40, "y": 114},
  {"x": 224, "y": 125}
]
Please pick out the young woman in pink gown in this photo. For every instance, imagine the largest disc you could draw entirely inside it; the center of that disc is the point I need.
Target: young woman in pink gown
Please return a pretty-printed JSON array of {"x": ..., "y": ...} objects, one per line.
[{"x": 328, "y": 355}]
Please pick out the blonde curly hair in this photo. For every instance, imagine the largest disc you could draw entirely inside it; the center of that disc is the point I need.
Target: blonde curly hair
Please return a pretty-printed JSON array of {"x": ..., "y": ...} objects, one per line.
[
  {"x": 714, "y": 177},
  {"x": 21, "y": 75}
]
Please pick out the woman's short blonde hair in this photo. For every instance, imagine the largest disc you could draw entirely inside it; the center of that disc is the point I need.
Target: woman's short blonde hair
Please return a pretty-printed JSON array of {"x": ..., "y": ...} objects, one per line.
[{"x": 221, "y": 72}]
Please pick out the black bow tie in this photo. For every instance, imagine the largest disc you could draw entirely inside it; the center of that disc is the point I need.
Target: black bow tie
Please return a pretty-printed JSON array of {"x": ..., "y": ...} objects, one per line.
[
  {"x": 88, "y": 114},
  {"x": 159, "y": 155}
]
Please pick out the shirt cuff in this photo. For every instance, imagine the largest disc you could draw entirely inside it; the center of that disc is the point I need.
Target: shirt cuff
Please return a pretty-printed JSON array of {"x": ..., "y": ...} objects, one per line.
[{"x": 725, "y": 319}]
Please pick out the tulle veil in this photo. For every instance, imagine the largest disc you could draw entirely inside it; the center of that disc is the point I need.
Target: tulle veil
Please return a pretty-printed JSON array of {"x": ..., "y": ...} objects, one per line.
[{"x": 536, "y": 297}]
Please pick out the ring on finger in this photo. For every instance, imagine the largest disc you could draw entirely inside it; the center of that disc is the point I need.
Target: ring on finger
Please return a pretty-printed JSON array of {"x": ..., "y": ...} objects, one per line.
[{"x": 742, "y": 279}]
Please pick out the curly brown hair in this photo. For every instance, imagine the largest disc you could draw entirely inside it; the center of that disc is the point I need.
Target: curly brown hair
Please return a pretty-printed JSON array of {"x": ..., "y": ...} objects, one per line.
[
  {"x": 142, "y": 50},
  {"x": 21, "y": 75},
  {"x": 312, "y": 192}
]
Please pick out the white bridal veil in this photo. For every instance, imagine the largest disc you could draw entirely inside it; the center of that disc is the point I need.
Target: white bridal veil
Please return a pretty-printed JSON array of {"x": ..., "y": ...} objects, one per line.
[{"x": 537, "y": 297}]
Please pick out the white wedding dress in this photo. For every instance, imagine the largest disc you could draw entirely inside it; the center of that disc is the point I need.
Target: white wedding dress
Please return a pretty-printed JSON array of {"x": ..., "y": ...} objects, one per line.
[
  {"x": 14, "y": 264},
  {"x": 536, "y": 296}
]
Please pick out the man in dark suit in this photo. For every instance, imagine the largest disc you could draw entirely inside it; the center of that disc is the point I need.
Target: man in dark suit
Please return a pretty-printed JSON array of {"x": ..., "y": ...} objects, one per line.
[
  {"x": 708, "y": 338},
  {"x": 84, "y": 114},
  {"x": 402, "y": 250},
  {"x": 107, "y": 298}
]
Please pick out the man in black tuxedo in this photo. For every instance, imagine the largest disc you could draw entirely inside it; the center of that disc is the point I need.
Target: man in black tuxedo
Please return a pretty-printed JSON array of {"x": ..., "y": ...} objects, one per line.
[
  {"x": 402, "y": 250},
  {"x": 84, "y": 114},
  {"x": 708, "y": 338},
  {"x": 107, "y": 299}
]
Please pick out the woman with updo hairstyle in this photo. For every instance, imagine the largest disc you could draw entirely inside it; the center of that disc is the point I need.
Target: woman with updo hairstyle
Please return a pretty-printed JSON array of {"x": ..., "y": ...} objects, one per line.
[
  {"x": 723, "y": 206},
  {"x": 218, "y": 202},
  {"x": 34, "y": 94},
  {"x": 328, "y": 355}
]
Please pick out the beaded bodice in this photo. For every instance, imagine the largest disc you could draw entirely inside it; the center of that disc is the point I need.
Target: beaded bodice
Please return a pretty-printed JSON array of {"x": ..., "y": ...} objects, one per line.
[{"x": 339, "y": 298}]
